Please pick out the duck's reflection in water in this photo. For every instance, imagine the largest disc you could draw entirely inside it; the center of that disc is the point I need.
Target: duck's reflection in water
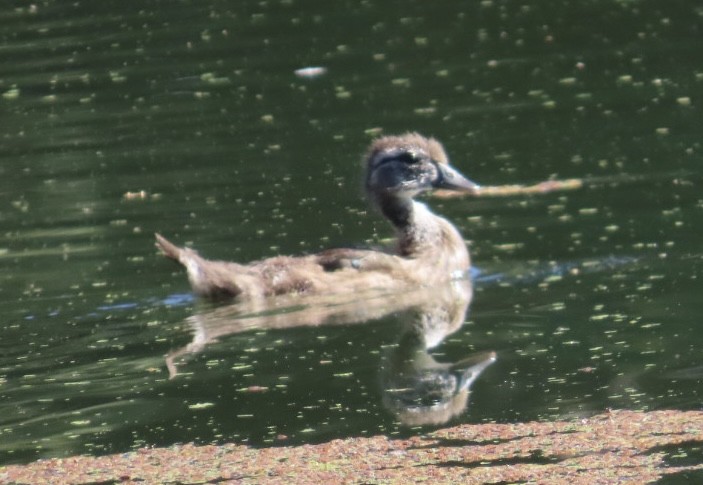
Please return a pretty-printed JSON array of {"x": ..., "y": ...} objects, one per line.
[
  {"x": 420, "y": 391},
  {"x": 416, "y": 388}
]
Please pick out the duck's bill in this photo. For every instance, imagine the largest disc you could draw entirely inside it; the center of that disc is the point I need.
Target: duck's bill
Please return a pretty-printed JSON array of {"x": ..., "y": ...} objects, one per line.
[{"x": 450, "y": 179}]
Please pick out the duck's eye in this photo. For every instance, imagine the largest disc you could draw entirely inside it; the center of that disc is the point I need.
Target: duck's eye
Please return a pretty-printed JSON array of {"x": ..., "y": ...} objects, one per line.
[{"x": 407, "y": 157}]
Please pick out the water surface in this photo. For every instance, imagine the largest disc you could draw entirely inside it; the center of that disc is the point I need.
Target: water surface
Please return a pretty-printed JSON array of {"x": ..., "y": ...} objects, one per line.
[{"x": 590, "y": 298}]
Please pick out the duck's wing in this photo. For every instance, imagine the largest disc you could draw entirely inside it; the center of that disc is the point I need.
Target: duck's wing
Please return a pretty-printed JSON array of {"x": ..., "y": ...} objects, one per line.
[{"x": 359, "y": 259}]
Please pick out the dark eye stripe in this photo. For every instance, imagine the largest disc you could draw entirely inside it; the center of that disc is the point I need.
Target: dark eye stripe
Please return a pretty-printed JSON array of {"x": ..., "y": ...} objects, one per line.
[{"x": 403, "y": 157}]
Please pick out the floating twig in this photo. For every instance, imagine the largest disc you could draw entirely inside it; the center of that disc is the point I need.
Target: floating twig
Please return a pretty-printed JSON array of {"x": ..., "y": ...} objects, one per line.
[{"x": 508, "y": 190}]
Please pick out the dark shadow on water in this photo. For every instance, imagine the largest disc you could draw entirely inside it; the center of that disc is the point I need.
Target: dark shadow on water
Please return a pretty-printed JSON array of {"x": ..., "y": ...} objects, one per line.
[
  {"x": 682, "y": 478},
  {"x": 687, "y": 453},
  {"x": 535, "y": 458},
  {"x": 459, "y": 443}
]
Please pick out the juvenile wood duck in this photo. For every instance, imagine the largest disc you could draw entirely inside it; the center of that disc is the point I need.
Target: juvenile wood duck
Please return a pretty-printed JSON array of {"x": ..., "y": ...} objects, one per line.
[{"x": 428, "y": 248}]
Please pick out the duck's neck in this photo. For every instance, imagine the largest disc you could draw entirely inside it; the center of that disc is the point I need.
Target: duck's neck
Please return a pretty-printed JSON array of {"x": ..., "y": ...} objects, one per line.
[
  {"x": 417, "y": 227},
  {"x": 398, "y": 210}
]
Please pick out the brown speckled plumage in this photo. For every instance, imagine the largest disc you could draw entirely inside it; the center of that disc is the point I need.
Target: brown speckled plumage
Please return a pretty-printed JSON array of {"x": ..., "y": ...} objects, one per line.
[{"x": 428, "y": 248}]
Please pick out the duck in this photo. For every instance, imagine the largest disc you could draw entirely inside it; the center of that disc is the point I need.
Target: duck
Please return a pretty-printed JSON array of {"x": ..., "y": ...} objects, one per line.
[{"x": 427, "y": 249}]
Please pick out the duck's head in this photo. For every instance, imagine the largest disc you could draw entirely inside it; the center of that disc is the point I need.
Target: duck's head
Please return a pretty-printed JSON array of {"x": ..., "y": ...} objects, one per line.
[{"x": 406, "y": 165}]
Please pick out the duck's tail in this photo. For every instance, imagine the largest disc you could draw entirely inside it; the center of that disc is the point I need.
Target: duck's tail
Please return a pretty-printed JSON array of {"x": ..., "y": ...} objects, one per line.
[
  {"x": 214, "y": 279},
  {"x": 167, "y": 247}
]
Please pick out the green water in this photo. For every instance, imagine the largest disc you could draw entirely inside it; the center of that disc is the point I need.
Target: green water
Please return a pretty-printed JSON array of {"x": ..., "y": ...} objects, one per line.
[{"x": 590, "y": 298}]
